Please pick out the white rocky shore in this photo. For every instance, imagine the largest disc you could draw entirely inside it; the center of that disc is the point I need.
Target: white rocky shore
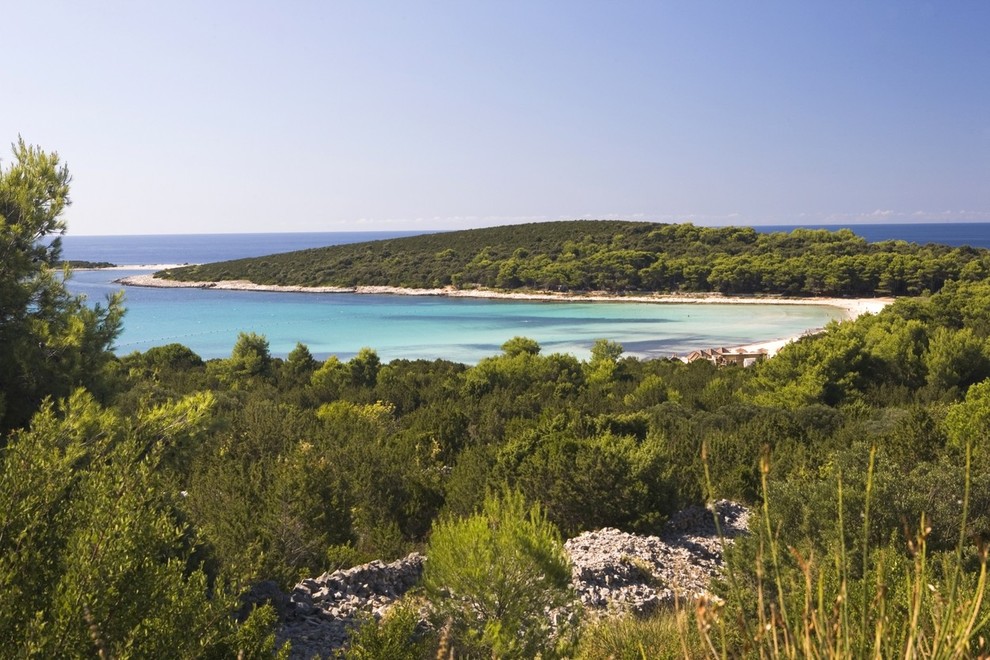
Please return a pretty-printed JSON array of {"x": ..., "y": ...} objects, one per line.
[{"x": 612, "y": 572}]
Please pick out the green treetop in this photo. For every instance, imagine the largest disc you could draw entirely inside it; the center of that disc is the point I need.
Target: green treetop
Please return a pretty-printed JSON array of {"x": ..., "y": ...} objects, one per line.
[{"x": 50, "y": 341}]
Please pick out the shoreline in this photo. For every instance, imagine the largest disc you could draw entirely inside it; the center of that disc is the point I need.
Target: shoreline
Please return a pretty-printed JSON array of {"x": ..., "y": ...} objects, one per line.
[
  {"x": 851, "y": 307},
  {"x": 152, "y": 267}
]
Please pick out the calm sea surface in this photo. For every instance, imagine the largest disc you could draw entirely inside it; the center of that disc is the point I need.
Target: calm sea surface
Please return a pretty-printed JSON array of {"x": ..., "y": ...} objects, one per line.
[
  {"x": 974, "y": 234},
  {"x": 464, "y": 330}
]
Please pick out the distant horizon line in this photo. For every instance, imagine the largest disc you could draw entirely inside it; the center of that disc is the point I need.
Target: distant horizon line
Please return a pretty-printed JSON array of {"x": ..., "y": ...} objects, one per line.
[{"x": 840, "y": 225}]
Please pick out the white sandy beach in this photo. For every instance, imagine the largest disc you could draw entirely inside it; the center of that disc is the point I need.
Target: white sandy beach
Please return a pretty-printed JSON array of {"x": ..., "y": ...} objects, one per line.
[
  {"x": 851, "y": 307},
  {"x": 152, "y": 267}
]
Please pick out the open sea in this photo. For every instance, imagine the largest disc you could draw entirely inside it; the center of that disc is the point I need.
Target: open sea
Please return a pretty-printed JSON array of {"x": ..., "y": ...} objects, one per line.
[{"x": 411, "y": 327}]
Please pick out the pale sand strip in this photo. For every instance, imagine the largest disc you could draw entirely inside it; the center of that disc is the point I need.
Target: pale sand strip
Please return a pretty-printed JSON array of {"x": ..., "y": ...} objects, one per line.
[
  {"x": 852, "y": 307},
  {"x": 154, "y": 267}
]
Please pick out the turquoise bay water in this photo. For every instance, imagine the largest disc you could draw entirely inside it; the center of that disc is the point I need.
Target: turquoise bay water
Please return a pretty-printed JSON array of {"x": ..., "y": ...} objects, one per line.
[
  {"x": 408, "y": 327},
  {"x": 411, "y": 327}
]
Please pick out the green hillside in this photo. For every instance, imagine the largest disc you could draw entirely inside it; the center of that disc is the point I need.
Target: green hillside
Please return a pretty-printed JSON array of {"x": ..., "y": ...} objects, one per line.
[{"x": 618, "y": 256}]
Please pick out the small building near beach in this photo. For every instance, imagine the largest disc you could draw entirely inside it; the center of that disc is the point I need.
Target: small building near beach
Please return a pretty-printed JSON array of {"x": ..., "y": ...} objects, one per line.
[{"x": 722, "y": 357}]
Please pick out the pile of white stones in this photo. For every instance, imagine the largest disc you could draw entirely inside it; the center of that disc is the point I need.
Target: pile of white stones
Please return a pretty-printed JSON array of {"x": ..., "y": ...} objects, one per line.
[
  {"x": 613, "y": 571},
  {"x": 320, "y": 610},
  {"x": 616, "y": 571}
]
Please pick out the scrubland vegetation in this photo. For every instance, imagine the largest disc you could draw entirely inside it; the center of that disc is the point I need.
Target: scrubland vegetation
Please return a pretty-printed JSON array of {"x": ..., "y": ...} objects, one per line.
[{"x": 140, "y": 495}]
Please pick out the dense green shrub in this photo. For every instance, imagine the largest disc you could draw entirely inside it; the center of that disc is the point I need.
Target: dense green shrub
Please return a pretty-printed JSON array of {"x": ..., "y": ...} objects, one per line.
[{"x": 495, "y": 575}]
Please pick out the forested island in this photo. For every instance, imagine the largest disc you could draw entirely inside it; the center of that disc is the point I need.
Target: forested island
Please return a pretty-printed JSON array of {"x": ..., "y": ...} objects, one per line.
[
  {"x": 89, "y": 264},
  {"x": 618, "y": 257},
  {"x": 144, "y": 497}
]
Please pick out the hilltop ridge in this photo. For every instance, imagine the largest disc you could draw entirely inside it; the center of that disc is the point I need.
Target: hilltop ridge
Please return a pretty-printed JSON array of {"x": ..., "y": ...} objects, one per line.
[{"x": 617, "y": 257}]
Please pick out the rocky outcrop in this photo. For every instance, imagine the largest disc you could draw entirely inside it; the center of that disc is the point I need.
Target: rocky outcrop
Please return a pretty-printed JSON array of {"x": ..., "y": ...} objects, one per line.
[
  {"x": 613, "y": 571},
  {"x": 321, "y": 610},
  {"x": 616, "y": 571}
]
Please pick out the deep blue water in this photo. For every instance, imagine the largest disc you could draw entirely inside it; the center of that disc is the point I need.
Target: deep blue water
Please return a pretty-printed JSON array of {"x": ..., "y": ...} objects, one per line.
[
  {"x": 956, "y": 234},
  {"x": 202, "y": 248}
]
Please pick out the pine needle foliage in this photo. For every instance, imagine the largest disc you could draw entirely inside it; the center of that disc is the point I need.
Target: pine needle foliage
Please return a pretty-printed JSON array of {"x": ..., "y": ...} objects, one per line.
[{"x": 498, "y": 575}]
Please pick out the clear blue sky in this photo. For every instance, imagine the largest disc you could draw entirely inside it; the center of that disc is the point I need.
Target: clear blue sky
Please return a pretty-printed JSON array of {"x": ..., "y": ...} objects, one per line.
[{"x": 194, "y": 116}]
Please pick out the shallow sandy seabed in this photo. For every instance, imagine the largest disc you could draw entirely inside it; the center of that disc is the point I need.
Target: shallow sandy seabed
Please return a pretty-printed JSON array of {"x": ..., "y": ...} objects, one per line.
[{"x": 852, "y": 307}]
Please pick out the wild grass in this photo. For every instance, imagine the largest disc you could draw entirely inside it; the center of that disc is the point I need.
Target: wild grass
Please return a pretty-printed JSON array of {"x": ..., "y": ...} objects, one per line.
[
  {"x": 896, "y": 600},
  {"x": 863, "y": 599},
  {"x": 663, "y": 634}
]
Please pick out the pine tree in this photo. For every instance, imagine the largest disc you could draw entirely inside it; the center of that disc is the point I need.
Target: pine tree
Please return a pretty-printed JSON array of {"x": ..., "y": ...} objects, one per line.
[{"x": 50, "y": 341}]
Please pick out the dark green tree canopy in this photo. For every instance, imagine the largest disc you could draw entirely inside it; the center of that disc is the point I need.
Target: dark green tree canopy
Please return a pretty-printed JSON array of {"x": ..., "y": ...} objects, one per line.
[
  {"x": 620, "y": 257},
  {"x": 50, "y": 341}
]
